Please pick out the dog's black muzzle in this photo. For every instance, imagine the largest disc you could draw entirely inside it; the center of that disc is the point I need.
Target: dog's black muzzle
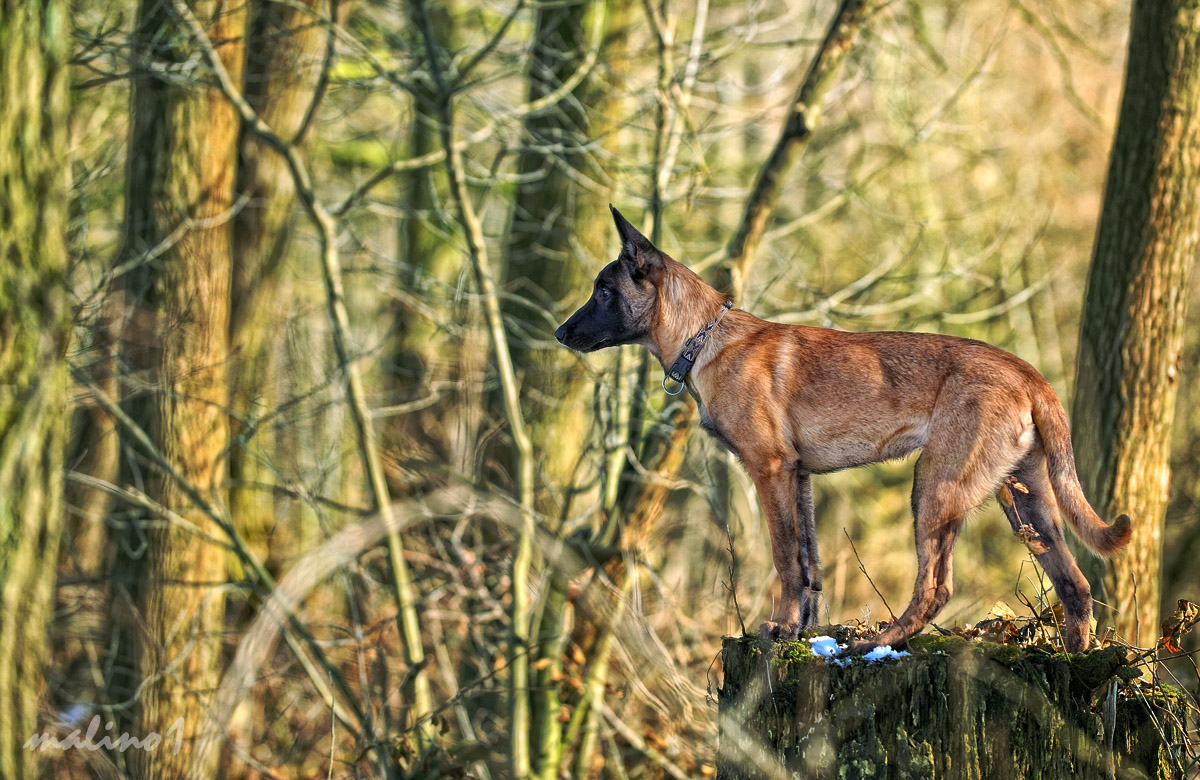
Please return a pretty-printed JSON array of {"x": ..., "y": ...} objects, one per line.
[
  {"x": 574, "y": 334},
  {"x": 580, "y": 342},
  {"x": 572, "y": 338}
]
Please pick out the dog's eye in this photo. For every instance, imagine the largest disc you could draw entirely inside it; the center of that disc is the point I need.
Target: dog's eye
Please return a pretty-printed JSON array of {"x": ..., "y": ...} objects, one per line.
[{"x": 603, "y": 293}]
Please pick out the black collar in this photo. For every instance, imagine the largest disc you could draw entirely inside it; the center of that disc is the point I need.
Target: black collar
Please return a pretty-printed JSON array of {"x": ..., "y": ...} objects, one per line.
[{"x": 683, "y": 364}]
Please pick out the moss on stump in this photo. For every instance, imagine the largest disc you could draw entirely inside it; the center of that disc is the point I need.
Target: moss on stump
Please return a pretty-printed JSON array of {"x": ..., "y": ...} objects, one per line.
[{"x": 953, "y": 709}]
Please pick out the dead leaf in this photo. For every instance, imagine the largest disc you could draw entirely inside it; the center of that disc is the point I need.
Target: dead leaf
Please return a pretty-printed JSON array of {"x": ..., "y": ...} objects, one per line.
[
  {"x": 1017, "y": 485},
  {"x": 1187, "y": 615},
  {"x": 1032, "y": 539},
  {"x": 1001, "y": 611}
]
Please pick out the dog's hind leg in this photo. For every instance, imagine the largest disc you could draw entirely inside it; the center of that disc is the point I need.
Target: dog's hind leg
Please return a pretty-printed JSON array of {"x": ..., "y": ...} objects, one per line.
[
  {"x": 939, "y": 516},
  {"x": 954, "y": 474},
  {"x": 808, "y": 557},
  {"x": 1036, "y": 510}
]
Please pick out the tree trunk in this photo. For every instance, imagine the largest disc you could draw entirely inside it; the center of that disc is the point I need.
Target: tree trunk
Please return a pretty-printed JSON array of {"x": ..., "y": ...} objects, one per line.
[
  {"x": 435, "y": 369},
  {"x": 560, "y": 235},
  {"x": 175, "y": 337},
  {"x": 285, "y": 55},
  {"x": 1131, "y": 333},
  {"x": 34, "y": 329},
  {"x": 561, "y": 231},
  {"x": 954, "y": 709},
  {"x": 285, "y": 45}
]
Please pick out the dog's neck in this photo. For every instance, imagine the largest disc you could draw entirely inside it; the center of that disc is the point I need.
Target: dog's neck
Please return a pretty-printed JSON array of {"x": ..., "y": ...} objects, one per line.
[{"x": 686, "y": 303}]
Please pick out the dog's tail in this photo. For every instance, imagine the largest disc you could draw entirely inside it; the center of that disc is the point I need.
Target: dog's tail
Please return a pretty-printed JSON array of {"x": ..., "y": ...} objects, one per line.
[{"x": 1051, "y": 422}]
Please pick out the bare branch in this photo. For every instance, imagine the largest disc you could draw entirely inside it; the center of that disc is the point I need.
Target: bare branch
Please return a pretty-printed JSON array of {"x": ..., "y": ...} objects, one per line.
[{"x": 803, "y": 117}]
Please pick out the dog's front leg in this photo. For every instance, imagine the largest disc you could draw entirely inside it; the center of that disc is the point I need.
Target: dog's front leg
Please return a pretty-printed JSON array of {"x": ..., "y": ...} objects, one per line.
[
  {"x": 807, "y": 555},
  {"x": 777, "y": 491}
]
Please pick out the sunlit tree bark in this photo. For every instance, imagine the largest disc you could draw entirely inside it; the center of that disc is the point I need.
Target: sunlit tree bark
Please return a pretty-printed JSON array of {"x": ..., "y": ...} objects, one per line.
[
  {"x": 436, "y": 371},
  {"x": 559, "y": 237},
  {"x": 175, "y": 337},
  {"x": 561, "y": 228},
  {"x": 284, "y": 62},
  {"x": 1131, "y": 334},
  {"x": 34, "y": 328}
]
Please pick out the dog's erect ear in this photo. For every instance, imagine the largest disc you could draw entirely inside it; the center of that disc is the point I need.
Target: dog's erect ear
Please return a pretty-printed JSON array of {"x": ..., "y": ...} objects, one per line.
[
  {"x": 636, "y": 249},
  {"x": 632, "y": 241}
]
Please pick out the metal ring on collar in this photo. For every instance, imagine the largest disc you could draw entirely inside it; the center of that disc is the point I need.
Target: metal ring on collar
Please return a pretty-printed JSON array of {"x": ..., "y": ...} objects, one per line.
[{"x": 678, "y": 390}]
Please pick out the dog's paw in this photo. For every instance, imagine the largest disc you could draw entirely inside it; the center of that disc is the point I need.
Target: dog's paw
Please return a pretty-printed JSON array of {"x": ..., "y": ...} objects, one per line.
[
  {"x": 778, "y": 631},
  {"x": 890, "y": 637},
  {"x": 862, "y": 647}
]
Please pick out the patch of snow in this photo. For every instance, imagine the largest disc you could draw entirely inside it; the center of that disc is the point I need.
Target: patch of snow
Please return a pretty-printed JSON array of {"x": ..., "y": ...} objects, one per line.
[
  {"x": 882, "y": 652},
  {"x": 72, "y": 716},
  {"x": 827, "y": 647}
]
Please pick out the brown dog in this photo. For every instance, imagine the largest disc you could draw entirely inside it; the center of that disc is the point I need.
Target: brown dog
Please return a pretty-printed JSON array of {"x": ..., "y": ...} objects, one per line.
[{"x": 793, "y": 401}]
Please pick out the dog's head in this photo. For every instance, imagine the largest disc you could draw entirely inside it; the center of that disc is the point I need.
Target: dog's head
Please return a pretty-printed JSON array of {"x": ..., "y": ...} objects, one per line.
[{"x": 624, "y": 298}]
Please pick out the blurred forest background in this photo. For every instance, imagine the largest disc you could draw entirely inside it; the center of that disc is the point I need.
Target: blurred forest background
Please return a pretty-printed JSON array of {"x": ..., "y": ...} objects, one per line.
[{"x": 329, "y": 491}]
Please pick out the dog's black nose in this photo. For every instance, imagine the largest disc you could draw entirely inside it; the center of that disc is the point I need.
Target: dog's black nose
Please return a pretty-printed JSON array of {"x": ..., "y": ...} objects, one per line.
[{"x": 561, "y": 333}]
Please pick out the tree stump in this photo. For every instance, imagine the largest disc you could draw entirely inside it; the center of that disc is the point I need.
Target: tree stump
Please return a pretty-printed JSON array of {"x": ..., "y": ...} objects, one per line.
[{"x": 953, "y": 709}]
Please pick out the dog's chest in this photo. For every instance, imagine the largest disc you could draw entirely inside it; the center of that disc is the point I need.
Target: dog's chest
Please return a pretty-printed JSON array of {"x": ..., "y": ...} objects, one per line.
[{"x": 710, "y": 427}]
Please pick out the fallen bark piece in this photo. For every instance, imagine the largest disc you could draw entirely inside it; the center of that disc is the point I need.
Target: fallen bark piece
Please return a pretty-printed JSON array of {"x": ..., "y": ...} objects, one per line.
[{"x": 952, "y": 708}]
